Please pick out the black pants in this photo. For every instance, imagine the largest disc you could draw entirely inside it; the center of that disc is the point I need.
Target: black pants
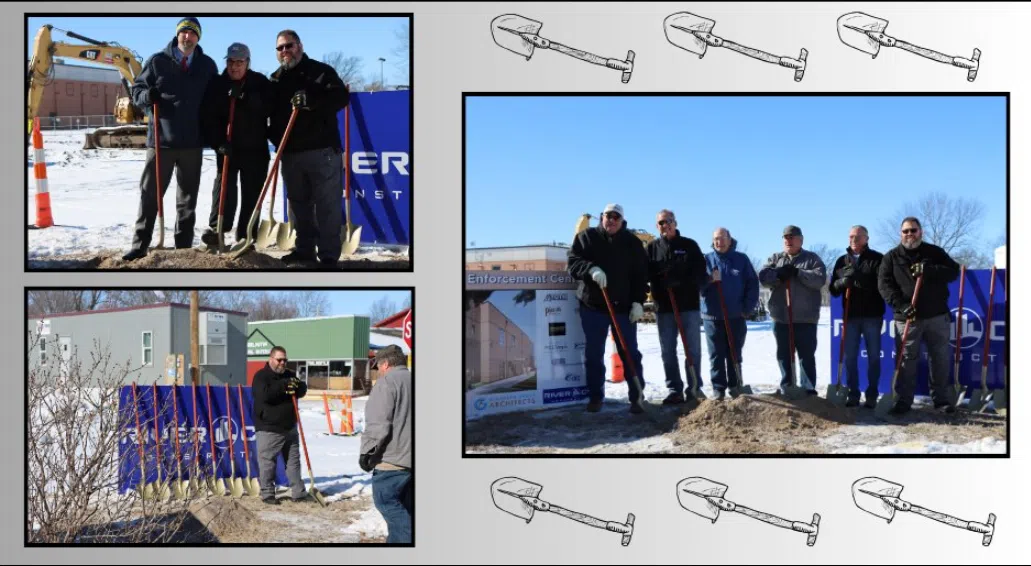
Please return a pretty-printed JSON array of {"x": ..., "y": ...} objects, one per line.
[
  {"x": 186, "y": 163},
  {"x": 252, "y": 169},
  {"x": 314, "y": 187}
]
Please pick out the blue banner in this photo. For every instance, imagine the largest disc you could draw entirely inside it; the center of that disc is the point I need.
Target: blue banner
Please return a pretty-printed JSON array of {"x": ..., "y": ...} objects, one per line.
[
  {"x": 975, "y": 332},
  {"x": 186, "y": 416},
  {"x": 380, "y": 166}
]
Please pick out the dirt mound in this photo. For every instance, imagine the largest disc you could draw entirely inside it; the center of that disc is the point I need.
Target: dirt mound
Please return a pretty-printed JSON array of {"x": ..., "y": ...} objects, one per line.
[{"x": 193, "y": 259}]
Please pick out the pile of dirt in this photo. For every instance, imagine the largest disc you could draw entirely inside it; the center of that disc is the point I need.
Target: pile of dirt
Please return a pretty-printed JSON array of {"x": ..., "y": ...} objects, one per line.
[{"x": 193, "y": 259}]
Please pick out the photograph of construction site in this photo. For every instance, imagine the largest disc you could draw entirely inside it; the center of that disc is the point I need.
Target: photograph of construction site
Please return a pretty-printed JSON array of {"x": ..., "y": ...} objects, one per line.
[
  {"x": 218, "y": 416},
  {"x": 206, "y": 143}
]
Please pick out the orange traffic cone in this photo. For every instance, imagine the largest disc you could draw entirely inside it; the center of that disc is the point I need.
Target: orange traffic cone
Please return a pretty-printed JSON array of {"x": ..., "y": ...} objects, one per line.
[
  {"x": 44, "y": 216},
  {"x": 329, "y": 418},
  {"x": 617, "y": 364},
  {"x": 346, "y": 415}
]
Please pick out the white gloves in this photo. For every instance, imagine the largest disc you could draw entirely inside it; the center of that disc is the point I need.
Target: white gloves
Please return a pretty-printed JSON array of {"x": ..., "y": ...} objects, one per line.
[
  {"x": 599, "y": 276},
  {"x": 636, "y": 312},
  {"x": 716, "y": 275}
]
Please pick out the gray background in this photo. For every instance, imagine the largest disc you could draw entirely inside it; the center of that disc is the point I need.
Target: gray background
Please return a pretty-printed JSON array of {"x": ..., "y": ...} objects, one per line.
[{"x": 456, "y": 521}]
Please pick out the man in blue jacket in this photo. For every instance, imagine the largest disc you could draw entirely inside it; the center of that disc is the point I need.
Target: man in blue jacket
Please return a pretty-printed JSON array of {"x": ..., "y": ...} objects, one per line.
[
  {"x": 175, "y": 79},
  {"x": 732, "y": 271}
]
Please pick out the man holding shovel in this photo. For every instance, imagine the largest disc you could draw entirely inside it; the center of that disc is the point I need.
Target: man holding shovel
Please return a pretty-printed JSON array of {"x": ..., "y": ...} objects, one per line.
[
  {"x": 676, "y": 266},
  {"x": 243, "y": 95},
  {"x": 610, "y": 265},
  {"x": 731, "y": 280},
  {"x": 386, "y": 448},
  {"x": 275, "y": 424},
  {"x": 855, "y": 273},
  {"x": 803, "y": 274},
  {"x": 929, "y": 319},
  {"x": 311, "y": 164},
  {"x": 174, "y": 80}
]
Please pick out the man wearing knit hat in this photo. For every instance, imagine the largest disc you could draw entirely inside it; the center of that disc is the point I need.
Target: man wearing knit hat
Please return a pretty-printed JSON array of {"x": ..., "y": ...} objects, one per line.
[{"x": 175, "y": 79}]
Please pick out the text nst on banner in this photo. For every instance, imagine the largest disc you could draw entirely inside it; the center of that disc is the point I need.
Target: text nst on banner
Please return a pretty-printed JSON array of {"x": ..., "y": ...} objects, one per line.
[
  {"x": 524, "y": 346},
  {"x": 190, "y": 403},
  {"x": 975, "y": 333},
  {"x": 380, "y": 165}
]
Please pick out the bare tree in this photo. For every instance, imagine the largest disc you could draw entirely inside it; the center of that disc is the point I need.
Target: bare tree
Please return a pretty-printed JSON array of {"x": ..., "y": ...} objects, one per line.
[
  {"x": 56, "y": 301},
  {"x": 348, "y": 68},
  {"x": 311, "y": 303},
  {"x": 407, "y": 303},
  {"x": 268, "y": 307},
  {"x": 382, "y": 308},
  {"x": 952, "y": 223},
  {"x": 827, "y": 254},
  {"x": 403, "y": 41},
  {"x": 374, "y": 86}
]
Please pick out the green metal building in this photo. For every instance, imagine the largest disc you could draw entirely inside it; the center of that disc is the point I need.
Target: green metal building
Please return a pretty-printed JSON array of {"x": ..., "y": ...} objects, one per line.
[{"x": 328, "y": 352}]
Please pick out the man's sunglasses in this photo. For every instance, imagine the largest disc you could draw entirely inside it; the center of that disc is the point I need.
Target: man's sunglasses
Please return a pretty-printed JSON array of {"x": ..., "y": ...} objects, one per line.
[
  {"x": 664, "y": 222},
  {"x": 285, "y": 46},
  {"x": 279, "y": 360},
  {"x": 613, "y": 215},
  {"x": 910, "y": 230}
]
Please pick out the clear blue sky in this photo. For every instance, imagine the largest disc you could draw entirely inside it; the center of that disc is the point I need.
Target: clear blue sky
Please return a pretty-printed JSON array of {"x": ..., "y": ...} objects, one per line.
[
  {"x": 752, "y": 164},
  {"x": 368, "y": 38},
  {"x": 358, "y": 302}
]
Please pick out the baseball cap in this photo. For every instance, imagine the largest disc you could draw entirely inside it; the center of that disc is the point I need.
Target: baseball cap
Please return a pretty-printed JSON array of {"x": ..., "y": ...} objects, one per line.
[
  {"x": 792, "y": 230},
  {"x": 613, "y": 208},
  {"x": 238, "y": 51}
]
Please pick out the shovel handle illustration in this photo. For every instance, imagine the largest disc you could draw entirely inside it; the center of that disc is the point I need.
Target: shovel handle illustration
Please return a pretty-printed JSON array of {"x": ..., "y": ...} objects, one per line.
[
  {"x": 812, "y": 529},
  {"x": 987, "y": 529},
  {"x": 536, "y": 504}
]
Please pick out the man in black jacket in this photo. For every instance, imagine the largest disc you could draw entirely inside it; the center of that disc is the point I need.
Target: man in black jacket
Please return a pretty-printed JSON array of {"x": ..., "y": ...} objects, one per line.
[
  {"x": 175, "y": 79},
  {"x": 676, "y": 263},
  {"x": 247, "y": 94},
  {"x": 311, "y": 163},
  {"x": 929, "y": 318},
  {"x": 855, "y": 274},
  {"x": 609, "y": 257},
  {"x": 276, "y": 425}
]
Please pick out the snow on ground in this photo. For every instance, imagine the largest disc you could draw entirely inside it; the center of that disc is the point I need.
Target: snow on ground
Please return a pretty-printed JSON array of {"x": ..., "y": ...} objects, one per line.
[{"x": 94, "y": 196}]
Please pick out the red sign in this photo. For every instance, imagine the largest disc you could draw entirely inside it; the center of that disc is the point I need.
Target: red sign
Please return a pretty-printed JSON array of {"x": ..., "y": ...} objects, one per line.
[{"x": 406, "y": 326}]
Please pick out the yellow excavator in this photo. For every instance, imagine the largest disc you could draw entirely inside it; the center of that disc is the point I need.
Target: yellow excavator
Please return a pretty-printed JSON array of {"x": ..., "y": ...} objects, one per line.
[{"x": 132, "y": 131}]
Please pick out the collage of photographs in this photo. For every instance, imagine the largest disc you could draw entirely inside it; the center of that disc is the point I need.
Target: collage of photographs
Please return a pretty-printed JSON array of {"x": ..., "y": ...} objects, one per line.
[{"x": 802, "y": 279}]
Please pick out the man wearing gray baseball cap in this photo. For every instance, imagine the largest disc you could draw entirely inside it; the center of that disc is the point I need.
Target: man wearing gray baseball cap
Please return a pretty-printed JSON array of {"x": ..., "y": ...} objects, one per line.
[{"x": 241, "y": 95}]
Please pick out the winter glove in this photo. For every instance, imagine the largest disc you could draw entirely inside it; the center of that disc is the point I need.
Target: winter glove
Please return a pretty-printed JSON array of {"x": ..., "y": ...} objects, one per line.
[
  {"x": 917, "y": 269},
  {"x": 365, "y": 462},
  {"x": 844, "y": 283},
  {"x": 292, "y": 385},
  {"x": 599, "y": 277},
  {"x": 716, "y": 276},
  {"x": 847, "y": 272},
  {"x": 154, "y": 94},
  {"x": 636, "y": 312},
  {"x": 236, "y": 90},
  {"x": 300, "y": 100},
  {"x": 786, "y": 271},
  {"x": 910, "y": 312},
  {"x": 225, "y": 150}
]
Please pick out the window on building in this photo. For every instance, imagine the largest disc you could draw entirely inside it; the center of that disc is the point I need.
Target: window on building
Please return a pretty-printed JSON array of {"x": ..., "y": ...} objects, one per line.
[
  {"x": 501, "y": 338},
  {"x": 495, "y": 268},
  {"x": 42, "y": 350},
  {"x": 69, "y": 89},
  {"x": 512, "y": 338},
  {"x": 339, "y": 369},
  {"x": 93, "y": 91},
  {"x": 148, "y": 348}
]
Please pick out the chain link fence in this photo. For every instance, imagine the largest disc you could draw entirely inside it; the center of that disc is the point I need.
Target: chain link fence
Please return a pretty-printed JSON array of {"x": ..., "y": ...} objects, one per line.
[{"x": 76, "y": 122}]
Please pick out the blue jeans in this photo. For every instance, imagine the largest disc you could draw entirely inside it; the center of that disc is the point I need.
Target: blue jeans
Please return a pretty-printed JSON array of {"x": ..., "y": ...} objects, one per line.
[
  {"x": 596, "y": 326},
  {"x": 869, "y": 329},
  {"x": 394, "y": 495},
  {"x": 805, "y": 349},
  {"x": 720, "y": 363},
  {"x": 669, "y": 337}
]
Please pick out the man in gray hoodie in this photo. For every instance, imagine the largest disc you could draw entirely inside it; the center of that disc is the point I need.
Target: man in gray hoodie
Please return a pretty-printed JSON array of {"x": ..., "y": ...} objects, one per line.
[
  {"x": 386, "y": 448},
  {"x": 805, "y": 274}
]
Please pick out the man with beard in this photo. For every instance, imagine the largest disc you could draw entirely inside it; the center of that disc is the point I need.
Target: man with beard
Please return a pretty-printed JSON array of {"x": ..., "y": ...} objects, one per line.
[
  {"x": 929, "y": 320},
  {"x": 311, "y": 162},
  {"x": 247, "y": 92},
  {"x": 275, "y": 423}
]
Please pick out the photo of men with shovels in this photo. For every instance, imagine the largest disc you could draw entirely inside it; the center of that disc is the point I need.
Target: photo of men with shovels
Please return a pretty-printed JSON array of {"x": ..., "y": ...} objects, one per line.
[
  {"x": 795, "y": 277},
  {"x": 676, "y": 273},
  {"x": 928, "y": 316},
  {"x": 611, "y": 269},
  {"x": 275, "y": 422},
  {"x": 855, "y": 280},
  {"x": 235, "y": 124}
]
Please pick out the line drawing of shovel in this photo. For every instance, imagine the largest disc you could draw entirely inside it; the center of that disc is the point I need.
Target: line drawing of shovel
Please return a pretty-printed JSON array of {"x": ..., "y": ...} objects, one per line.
[
  {"x": 704, "y": 498},
  {"x": 692, "y": 33},
  {"x": 519, "y": 35},
  {"x": 866, "y": 33},
  {"x": 880, "y": 497},
  {"x": 518, "y": 497}
]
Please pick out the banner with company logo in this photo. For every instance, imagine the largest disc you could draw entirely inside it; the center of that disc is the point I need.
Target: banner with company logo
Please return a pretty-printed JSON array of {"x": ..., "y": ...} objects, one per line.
[
  {"x": 975, "y": 332},
  {"x": 163, "y": 421},
  {"x": 380, "y": 166},
  {"x": 524, "y": 347}
]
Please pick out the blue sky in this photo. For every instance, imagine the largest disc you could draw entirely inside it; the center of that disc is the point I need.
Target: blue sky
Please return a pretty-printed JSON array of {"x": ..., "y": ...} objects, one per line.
[
  {"x": 358, "y": 302},
  {"x": 368, "y": 38},
  {"x": 750, "y": 163}
]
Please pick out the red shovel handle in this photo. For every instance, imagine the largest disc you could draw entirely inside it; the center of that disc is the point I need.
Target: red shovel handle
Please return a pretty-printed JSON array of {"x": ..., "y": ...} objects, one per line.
[
  {"x": 211, "y": 430},
  {"x": 630, "y": 363},
  {"x": 959, "y": 311},
  {"x": 157, "y": 429},
  {"x": 157, "y": 159},
  {"x": 726, "y": 323},
  {"x": 300, "y": 427},
  {"x": 243, "y": 428},
  {"x": 139, "y": 431},
  {"x": 225, "y": 159},
  {"x": 175, "y": 421},
  {"x": 988, "y": 327},
  {"x": 905, "y": 329},
  {"x": 680, "y": 326}
]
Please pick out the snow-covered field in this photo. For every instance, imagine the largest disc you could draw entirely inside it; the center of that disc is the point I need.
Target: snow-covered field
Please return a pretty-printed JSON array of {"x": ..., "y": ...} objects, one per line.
[{"x": 94, "y": 196}]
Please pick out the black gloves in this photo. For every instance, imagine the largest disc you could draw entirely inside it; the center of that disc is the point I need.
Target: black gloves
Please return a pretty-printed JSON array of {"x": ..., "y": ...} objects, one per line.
[
  {"x": 292, "y": 385},
  {"x": 847, "y": 272},
  {"x": 154, "y": 94},
  {"x": 910, "y": 312},
  {"x": 300, "y": 100},
  {"x": 917, "y": 269},
  {"x": 786, "y": 271},
  {"x": 365, "y": 462},
  {"x": 225, "y": 150}
]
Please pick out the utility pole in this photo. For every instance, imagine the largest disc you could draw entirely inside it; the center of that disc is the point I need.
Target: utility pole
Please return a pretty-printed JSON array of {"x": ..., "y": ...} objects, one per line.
[{"x": 195, "y": 338}]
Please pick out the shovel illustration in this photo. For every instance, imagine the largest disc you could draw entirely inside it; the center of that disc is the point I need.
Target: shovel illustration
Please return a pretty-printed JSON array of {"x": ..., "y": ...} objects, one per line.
[
  {"x": 704, "y": 498},
  {"x": 866, "y": 33},
  {"x": 691, "y": 32},
  {"x": 518, "y": 497},
  {"x": 519, "y": 35},
  {"x": 881, "y": 498}
]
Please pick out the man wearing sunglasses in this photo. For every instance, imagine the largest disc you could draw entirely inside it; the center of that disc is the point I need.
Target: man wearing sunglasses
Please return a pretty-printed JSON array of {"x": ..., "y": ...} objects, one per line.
[
  {"x": 807, "y": 275},
  {"x": 676, "y": 264},
  {"x": 610, "y": 257},
  {"x": 275, "y": 423},
  {"x": 929, "y": 320},
  {"x": 311, "y": 163}
]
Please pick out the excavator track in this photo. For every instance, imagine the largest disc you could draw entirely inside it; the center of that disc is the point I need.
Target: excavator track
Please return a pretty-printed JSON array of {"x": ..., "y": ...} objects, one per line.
[{"x": 117, "y": 137}]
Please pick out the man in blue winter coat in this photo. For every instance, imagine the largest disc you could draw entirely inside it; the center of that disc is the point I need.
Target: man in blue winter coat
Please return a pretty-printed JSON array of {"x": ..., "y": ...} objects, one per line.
[
  {"x": 730, "y": 271},
  {"x": 610, "y": 257},
  {"x": 175, "y": 79}
]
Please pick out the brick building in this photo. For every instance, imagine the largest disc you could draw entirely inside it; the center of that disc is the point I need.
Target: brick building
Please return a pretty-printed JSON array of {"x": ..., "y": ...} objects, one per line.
[
  {"x": 78, "y": 90},
  {"x": 545, "y": 257}
]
